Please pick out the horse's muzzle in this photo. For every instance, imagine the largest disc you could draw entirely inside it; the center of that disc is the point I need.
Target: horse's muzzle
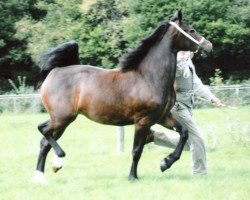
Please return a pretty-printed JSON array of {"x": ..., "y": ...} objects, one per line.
[{"x": 206, "y": 49}]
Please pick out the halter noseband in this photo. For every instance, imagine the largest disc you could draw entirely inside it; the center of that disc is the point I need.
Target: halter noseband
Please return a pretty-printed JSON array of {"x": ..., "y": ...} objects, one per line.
[{"x": 199, "y": 43}]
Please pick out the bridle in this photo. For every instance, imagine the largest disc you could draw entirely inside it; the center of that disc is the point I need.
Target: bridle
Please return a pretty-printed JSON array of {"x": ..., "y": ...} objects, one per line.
[{"x": 199, "y": 43}]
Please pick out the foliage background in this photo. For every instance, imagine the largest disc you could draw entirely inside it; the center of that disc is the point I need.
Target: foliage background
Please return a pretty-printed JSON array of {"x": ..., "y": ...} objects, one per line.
[{"x": 106, "y": 29}]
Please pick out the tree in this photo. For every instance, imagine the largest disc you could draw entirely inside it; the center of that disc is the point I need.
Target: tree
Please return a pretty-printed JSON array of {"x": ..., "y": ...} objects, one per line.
[
  {"x": 225, "y": 23},
  {"x": 106, "y": 29},
  {"x": 13, "y": 57},
  {"x": 96, "y": 29}
]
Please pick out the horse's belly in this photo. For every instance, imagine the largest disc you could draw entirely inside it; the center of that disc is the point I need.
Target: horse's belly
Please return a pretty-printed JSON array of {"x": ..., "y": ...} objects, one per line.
[
  {"x": 106, "y": 114},
  {"x": 108, "y": 119}
]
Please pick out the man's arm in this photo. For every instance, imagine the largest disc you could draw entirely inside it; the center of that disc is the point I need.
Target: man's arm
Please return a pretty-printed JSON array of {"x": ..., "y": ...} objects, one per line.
[{"x": 203, "y": 91}]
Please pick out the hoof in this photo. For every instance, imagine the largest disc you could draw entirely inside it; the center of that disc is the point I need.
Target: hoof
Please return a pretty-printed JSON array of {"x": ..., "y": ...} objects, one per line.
[
  {"x": 39, "y": 178},
  {"x": 164, "y": 165},
  {"x": 56, "y": 169},
  {"x": 57, "y": 163},
  {"x": 132, "y": 178}
]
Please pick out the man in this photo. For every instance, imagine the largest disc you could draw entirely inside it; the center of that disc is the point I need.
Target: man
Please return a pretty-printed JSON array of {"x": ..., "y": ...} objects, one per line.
[{"x": 187, "y": 84}]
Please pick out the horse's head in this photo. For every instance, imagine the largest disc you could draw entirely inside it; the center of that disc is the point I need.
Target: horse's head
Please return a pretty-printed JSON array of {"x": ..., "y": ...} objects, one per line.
[{"x": 187, "y": 38}]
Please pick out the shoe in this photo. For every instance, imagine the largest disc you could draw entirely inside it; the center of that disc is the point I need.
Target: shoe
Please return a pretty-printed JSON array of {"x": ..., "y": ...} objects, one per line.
[{"x": 199, "y": 174}]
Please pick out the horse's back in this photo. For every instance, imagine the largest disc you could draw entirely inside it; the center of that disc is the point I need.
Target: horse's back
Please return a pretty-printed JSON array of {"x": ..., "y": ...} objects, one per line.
[{"x": 69, "y": 75}]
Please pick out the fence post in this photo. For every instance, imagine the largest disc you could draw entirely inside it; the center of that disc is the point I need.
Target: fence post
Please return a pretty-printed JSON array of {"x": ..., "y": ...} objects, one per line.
[
  {"x": 237, "y": 90},
  {"x": 237, "y": 93},
  {"x": 14, "y": 105},
  {"x": 120, "y": 139}
]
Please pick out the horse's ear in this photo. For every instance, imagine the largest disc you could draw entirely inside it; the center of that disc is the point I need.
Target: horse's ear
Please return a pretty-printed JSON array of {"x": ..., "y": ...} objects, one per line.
[
  {"x": 177, "y": 16},
  {"x": 180, "y": 15}
]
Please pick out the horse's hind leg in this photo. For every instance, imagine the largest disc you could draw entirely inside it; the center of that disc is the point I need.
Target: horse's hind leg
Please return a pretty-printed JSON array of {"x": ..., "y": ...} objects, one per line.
[
  {"x": 39, "y": 173},
  {"x": 171, "y": 123},
  {"x": 45, "y": 146},
  {"x": 47, "y": 131},
  {"x": 44, "y": 150}
]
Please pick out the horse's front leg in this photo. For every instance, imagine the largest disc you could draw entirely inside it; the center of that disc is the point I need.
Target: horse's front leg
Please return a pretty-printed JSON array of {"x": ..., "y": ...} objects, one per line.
[
  {"x": 171, "y": 123},
  {"x": 141, "y": 131}
]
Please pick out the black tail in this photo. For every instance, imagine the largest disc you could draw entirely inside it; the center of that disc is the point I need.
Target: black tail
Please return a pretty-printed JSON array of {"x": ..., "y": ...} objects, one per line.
[{"x": 60, "y": 56}]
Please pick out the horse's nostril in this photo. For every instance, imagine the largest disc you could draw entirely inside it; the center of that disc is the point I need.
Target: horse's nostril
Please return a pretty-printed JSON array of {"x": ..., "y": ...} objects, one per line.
[{"x": 208, "y": 48}]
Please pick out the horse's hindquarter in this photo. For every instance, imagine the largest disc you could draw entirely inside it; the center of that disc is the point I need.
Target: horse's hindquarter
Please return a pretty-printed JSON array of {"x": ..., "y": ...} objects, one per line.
[{"x": 61, "y": 90}]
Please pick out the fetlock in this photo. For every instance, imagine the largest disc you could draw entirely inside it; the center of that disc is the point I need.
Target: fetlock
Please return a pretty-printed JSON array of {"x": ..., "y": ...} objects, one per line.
[{"x": 150, "y": 138}]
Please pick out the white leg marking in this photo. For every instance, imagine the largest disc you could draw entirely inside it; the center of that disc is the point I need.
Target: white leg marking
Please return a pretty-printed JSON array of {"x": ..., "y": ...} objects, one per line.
[
  {"x": 57, "y": 162},
  {"x": 39, "y": 177}
]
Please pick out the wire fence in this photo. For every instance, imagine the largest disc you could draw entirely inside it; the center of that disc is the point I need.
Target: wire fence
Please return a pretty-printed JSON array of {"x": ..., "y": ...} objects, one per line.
[
  {"x": 232, "y": 95},
  {"x": 20, "y": 103}
]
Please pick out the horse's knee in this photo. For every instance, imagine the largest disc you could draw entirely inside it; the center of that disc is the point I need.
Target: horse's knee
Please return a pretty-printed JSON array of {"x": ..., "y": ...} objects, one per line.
[
  {"x": 183, "y": 131},
  {"x": 44, "y": 142},
  {"x": 40, "y": 128},
  {"x": 44, "y": 128}
]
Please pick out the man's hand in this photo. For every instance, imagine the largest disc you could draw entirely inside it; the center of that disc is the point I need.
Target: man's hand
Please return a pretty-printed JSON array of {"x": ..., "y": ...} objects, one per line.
[{"x": 216, "y": 102}]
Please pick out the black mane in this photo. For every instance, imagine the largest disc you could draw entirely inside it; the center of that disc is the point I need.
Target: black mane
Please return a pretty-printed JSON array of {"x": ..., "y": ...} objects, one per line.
[{"x": 133, "y": 58}]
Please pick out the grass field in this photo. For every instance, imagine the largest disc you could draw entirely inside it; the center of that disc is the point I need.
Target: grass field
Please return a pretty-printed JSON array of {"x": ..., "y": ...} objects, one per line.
[{"x": 93, "y": 170}]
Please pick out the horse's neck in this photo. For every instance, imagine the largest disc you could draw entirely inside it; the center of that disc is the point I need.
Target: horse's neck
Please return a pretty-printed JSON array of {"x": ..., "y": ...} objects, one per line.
[{"x": 160, "y": 64}]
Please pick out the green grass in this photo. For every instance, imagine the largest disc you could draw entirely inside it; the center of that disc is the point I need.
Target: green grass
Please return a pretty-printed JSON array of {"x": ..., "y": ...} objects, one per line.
[{"x": 93, "y": 170}]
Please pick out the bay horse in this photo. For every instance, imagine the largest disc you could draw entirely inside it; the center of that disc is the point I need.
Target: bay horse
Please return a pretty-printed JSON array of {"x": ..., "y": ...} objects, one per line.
[{"x": 140, "y": 91}]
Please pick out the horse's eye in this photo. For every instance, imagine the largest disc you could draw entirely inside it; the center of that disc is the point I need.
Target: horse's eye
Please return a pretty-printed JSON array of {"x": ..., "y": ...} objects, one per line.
[{"x": 192, "y": 31}]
